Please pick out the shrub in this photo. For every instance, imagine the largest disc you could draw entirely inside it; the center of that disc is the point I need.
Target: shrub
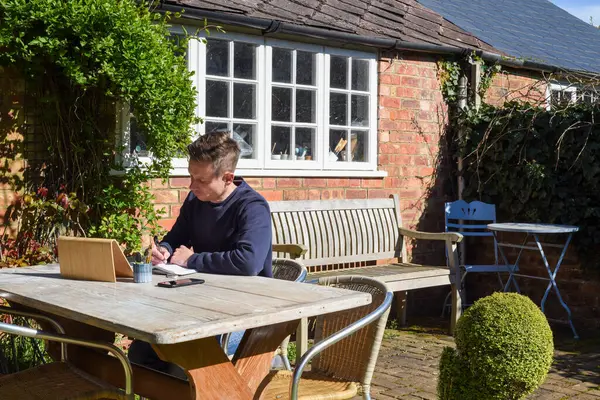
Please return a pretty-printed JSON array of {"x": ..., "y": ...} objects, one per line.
[{"x": 504, "y": 349}]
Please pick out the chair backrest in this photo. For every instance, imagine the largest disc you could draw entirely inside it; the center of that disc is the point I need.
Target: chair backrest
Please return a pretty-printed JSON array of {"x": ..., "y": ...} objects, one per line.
[
  {"x": 354, "y": 357},
  {"x": 470, "y": 219},
  {"x": 339, "y": 231},
  {"x": 288, "y": 270}
]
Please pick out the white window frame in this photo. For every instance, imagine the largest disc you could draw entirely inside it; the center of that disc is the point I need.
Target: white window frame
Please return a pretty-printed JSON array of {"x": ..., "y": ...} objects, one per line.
[
  {"x": 263, "y": 165},
  {"x": 552, "y": 87}
]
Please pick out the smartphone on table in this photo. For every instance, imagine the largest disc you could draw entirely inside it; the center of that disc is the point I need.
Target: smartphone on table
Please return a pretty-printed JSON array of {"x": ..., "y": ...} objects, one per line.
[{"x": 180, "y": 283}]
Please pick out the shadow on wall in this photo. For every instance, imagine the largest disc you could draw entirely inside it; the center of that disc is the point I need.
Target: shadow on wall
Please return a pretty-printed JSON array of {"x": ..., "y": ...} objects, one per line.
[
  {"x": 440, "y": 187},
  {"x": 11, "y": 138}
]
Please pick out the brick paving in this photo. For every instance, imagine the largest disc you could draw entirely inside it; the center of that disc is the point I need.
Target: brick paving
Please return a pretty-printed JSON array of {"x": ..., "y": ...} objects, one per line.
[{"x": 408, "y": 366}]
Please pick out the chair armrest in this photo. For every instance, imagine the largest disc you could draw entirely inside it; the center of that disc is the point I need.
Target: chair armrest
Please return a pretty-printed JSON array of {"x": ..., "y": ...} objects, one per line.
[
  {"x": 61, "y": 338},
  {"x": 333, "y": 339},
  {"x": 454, "y": 237},
  {"x": 58, "y": 327},
  {"x": 294, "y": 250}
]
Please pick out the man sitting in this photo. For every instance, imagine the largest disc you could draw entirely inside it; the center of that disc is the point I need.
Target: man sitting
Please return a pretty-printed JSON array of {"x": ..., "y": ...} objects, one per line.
[{"x": 224, "y": 226}]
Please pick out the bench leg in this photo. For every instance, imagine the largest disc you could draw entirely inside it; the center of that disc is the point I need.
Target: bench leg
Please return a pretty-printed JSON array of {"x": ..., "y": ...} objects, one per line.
[
  {"x": 401, "y": 307},
  {"x": 302, "y": 338},
  {"x": 456, "y": 307}
]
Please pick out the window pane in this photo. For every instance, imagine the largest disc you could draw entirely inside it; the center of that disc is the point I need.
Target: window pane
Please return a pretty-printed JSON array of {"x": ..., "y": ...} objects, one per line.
[
  {"x": 360, "y": 75},
  {"x": 338, "y": 72},
  {"x": 245, "y": 135},
  {"x": 280, "y": 142},
  {"x": 337, "y": 144},
  {"x": 306, "y": 68},
  {"x": 358, "y": 146},
  {"x": 305, "y": 143},
  {"x": 217, "y": 98},
  {"x": 338, "y": 108},
  {"x": 244, "y": 61},
  {"x": 217, "y": 57},
  {"x": 360, "y": 110},
  {"x": 210, "y": 126},
  {"x": 282, "y": 65},
  {"x": 281, "y": 109},
  {"x": 137, "y": 138},
  {"x": 306, "y": 106},
  {"x": 244, "y": 101}
]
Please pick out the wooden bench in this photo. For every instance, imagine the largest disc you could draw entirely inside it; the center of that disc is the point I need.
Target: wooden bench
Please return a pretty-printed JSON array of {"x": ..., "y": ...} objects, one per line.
[{"x": 341, "y": 237}]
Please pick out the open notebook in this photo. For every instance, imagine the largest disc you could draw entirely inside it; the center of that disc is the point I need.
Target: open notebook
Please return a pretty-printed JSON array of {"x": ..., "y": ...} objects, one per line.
[{"x": 172, "y": 269}]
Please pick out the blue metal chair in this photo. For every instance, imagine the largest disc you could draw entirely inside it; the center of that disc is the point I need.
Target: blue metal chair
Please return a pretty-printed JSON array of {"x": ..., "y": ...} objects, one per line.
[{"x": 471, "y": 219}]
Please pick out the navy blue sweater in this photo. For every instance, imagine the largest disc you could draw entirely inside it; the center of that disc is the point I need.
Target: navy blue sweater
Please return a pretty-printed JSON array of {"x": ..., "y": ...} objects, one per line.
[{"x": 230, "y": 238}]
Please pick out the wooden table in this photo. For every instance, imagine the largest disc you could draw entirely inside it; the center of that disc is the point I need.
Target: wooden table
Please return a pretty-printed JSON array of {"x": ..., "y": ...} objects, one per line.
[{"x": 180, "y": 323}]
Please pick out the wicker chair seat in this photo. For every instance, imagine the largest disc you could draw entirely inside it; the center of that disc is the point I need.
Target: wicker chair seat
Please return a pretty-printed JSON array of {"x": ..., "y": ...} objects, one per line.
[
  {"x": 55, "y": 381},
  {"x": 313, "y": 386}
]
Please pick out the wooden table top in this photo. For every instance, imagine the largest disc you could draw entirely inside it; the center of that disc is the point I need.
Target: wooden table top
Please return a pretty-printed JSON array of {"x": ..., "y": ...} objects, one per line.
[{"x": 159, "y": 315}]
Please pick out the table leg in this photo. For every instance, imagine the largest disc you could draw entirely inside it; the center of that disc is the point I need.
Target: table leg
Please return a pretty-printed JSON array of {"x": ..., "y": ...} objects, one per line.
[
  {"x": 213, "y": 376},
  {"x": 511, "y": 277},
  {"x": 552, "y": 275}
]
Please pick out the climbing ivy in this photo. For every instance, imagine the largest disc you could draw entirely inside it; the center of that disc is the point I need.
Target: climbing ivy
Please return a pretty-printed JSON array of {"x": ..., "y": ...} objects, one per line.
[
  {"x": 536, "y": 165},
  {"x": 81, "y": 60}
]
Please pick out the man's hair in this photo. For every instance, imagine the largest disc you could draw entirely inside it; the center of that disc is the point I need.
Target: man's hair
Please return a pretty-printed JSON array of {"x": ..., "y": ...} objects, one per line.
[{"x": 218, "y": 148}]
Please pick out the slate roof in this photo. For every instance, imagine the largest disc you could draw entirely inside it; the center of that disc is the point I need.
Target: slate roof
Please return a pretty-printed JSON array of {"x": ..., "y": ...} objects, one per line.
[
  {"x": 405, "y": 20},
  {"x": 534, "y": 30}
]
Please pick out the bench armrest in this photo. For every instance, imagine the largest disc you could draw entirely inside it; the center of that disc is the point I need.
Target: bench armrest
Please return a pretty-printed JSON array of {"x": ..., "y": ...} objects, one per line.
[
  {"x": 454, "y": 237},
  {"x": 294, "y": 250}
]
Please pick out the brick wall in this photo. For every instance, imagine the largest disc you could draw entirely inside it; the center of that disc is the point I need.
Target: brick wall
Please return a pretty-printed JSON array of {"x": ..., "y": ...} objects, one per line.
[
  {"x": 12, "y": 89},
  {"x": 511, "y": 84}
]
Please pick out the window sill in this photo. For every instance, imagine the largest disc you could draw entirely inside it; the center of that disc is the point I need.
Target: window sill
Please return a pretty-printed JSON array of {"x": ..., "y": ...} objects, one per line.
[{"x": 243, "y": 172}]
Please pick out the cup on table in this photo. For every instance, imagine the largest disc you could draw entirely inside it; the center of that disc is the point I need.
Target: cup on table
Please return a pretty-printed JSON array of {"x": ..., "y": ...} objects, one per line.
[{"x": 142, "y": 272}]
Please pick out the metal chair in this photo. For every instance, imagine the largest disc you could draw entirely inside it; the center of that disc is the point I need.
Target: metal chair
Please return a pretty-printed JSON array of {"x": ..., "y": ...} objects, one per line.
[
  {"x": 59, "y": 380},
  {"x": 287, "y": 270},
  {"x": 347, "y": 345},
  {"x": 471, "y": 219}
]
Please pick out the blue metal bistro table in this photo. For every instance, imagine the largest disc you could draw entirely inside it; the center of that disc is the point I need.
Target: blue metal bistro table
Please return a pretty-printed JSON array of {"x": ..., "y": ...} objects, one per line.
[{"x": 535, "y": 230}]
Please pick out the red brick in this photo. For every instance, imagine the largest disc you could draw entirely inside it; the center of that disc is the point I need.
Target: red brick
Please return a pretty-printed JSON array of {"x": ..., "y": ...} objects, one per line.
[
  {"x": 167, "y": 223},
  {"x": 295, "y": 194},
  {"x": 180, "y": 182},
  {"x": 378, "y": 193},
  {"x": 314, "y": 194},
  {"x": 355, "y": 182},
  {"x": 390, "y": 102},
  {"x": 166, "y": 196},
  {"x": 182, "y": 195},
  {"x": 332, "y": 194},
  {"x": 272, "y": 195},
  {"x": 175, "y": 211},
  {"x": 338, "y": 182},
  {"x": 415, "y": 104},
  {"x": 255, "y": 183},
  {"x": 158, "y": 184},
  {"x": 372, "y": 183},
  {"x": 269, "y": 183},
  {"x": 289, "y": 182},
  {"x": 392, "y": 182},
  {"x": 356, "y": 193},
  {"x": 411, "y": 82},
  {"x": 315, "y": 182}
]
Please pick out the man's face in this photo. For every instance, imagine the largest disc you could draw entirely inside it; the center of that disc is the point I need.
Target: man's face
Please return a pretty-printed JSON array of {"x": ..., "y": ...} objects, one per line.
[{"x": 205, "y": 184}]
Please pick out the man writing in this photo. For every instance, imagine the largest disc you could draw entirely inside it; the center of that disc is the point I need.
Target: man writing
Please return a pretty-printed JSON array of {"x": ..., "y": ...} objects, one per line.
[{"x": 224, "y": 226}]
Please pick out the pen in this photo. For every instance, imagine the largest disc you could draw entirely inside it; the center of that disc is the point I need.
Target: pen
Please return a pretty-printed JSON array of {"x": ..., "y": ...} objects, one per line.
[{"x": 156, "y": 242}]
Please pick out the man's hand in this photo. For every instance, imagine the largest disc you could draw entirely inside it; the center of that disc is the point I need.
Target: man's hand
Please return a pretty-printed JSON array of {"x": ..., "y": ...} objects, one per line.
[
  {"x": 159, "y": 255},
  {"x": 181, "y": 256}
]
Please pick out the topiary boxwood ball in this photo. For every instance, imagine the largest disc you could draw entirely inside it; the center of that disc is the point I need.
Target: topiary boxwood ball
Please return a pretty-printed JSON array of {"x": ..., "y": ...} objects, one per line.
[{"x": 504, "y": 349}]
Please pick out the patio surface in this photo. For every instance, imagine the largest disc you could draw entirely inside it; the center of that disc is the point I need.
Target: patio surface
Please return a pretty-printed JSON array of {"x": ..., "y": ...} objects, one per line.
[{"x": 408, "y": 365}]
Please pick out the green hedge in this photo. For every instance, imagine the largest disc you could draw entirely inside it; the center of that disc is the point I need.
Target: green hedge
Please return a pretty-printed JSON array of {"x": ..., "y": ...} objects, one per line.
[
  {"x": 537, "y": 166},
  {"x": 504, "y": 349}
]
